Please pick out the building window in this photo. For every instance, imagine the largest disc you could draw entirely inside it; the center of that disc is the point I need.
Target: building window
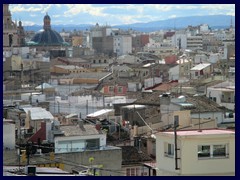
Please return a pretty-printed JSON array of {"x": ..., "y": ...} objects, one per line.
[
  {"x": 169, "y": 150},
  {"x": 92, "y": 144},
  {"x": 120, "y": 89},
  {"x": 132, "y": 171},
  {"x": 128, "y": 171},
  {"x": 212, "y": 151},
  {"x": 219, "y": 150},
  {"x": 110, "y": 88},
  {"x": 203, "y": 151}
]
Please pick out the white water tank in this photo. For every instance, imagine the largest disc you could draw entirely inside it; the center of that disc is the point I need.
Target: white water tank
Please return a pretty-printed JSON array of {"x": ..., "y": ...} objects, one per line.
[{"x": 57, "y": 99}]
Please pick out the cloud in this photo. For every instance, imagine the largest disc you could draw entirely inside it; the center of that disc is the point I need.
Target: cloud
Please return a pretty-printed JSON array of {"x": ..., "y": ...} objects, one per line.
[
  {"x": 28, "y": 23},
  {"x": 129, "y": 19},
  {"x": 58, "y": 5},
  {"x": 114, "y": 14},
  {"x": 21, "y": 8},
  {"x": 231, "y": 13},
  {"x": 56, "y": 15},
  {"x": 173, "y": 16},
  {"x": 32, "y": 15},
  {"x": 75, "y": 9},
  {"x": 46, "y": 8},
  {"x": 217, "y": 6}
]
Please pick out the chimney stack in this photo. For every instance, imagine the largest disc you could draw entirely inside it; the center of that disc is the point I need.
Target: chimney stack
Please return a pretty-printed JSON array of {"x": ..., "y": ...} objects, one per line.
[{"x": 80, "y": 123}]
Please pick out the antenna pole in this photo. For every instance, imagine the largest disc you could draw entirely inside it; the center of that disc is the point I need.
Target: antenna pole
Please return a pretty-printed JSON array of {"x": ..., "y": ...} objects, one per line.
[
  {"x": 199, "y": 128},
  {"x": 175, "y": 144}
]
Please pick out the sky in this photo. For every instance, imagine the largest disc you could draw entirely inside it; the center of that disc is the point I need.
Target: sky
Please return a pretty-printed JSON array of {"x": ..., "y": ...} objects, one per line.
[{"x": 112, "y": 14}]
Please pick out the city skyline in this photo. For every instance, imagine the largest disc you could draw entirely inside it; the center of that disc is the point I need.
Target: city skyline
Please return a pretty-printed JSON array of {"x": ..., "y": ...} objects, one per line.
[{"x": 112, "y": 14}]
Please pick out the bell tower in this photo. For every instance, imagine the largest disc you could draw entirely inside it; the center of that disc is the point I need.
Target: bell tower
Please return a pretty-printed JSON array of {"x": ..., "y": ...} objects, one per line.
[
  {"x": 7, "y": 17},
  {"x": 10, "y": 30},
  {"x": 46, "y": 22}
]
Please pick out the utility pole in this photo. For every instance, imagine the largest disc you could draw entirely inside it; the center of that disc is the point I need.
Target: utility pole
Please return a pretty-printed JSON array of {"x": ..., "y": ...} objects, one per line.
[
  {"x": 199, "y": 126},
  {"x": 176, "y": 124},
  {"x": 28, "y": 148},
  {"x": 86, "y": 107},
  {"x": 19, "y": 158},
  {"x": 103, "y": 101}
]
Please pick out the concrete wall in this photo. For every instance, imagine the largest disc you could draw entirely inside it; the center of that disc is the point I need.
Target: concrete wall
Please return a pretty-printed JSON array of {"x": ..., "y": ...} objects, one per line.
[
  {"x": 174, "y": 73},
  {"x": 218, "y": 116},
  {"x": 111, "y": 160},
  {"x": 9, "y": 136}
]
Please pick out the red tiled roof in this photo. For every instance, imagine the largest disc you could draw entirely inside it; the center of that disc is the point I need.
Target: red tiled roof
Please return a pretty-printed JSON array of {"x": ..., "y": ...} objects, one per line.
[
  {"x": 41, "y": 133},
  {"x": 165, "y": 86},
  {"x": 171, "y": 59}
]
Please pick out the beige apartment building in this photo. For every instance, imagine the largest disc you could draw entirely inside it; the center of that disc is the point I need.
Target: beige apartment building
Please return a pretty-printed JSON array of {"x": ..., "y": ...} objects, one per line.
[{"x": 205, "y": 152}]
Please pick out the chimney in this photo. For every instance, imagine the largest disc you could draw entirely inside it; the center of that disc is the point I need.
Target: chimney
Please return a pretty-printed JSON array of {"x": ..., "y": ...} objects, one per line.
[
  {"x": 81, "y": 126},
  {"x": 98, "y": 126},
  {"x": 28, "y": 119},
  {"x": 135, "y": 131}
]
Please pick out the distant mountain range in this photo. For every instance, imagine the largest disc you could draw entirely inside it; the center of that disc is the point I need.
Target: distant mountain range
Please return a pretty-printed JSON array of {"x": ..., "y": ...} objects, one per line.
[{"x": 214, "y": 21}]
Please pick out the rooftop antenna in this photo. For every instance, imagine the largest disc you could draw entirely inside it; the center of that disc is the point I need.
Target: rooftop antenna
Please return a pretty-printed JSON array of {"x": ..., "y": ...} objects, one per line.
[
  {"x": 231, "y": 24},
  {"x": 175, "y": 35}
]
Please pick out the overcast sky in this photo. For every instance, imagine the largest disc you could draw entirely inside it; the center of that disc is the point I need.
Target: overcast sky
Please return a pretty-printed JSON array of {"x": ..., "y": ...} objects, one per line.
[{"x": 112, "y": 14}]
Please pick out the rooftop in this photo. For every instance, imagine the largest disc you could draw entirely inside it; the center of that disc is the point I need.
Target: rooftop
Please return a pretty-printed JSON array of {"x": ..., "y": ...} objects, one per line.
[
  {"x": 75, "y": 130},
  {"x": 70, "y": 67},
  {"x": 201, "y": 133},
  {"x": 131, "y": 155},
  {"x": 200, "y": 67},
  {"x": 100, "y": 113},
  {"x": 38, "y": 113}
]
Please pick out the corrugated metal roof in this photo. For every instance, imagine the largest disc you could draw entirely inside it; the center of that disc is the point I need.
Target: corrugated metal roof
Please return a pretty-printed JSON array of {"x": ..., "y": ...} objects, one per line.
[
  {"x": 99, "y": 113},
  {"x": 200, "y": 67},
  {"x": 44, "y": 86}
]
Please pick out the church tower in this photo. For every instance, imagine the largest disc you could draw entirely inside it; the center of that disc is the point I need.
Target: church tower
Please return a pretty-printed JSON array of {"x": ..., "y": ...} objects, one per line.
[
  {"x": 11, "y": 37},
  {"x": 7, "y": 17},
  {"x": 46, "y": 22}
]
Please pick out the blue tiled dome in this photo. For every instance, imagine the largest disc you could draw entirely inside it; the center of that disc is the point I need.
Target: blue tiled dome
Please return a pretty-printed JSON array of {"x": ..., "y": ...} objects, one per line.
[{"x": 48, "y": 37}]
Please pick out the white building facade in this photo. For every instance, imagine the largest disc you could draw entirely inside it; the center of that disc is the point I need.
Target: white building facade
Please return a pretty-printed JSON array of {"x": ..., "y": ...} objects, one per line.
[
  {"x": 79, "y": 139},
  {"x": 122, "y": 44},
  {"x": 9, "y": 136}
]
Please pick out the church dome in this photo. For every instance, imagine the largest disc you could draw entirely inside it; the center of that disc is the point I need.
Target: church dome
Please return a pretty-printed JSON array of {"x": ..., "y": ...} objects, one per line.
[
  {"x": 47, "y": 17},
  {"x": 47, "y": 36}
]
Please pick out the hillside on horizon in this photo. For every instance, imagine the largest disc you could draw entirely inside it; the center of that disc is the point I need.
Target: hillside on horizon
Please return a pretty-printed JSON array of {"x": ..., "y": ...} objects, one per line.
[{"x": 214, "y": 21}]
